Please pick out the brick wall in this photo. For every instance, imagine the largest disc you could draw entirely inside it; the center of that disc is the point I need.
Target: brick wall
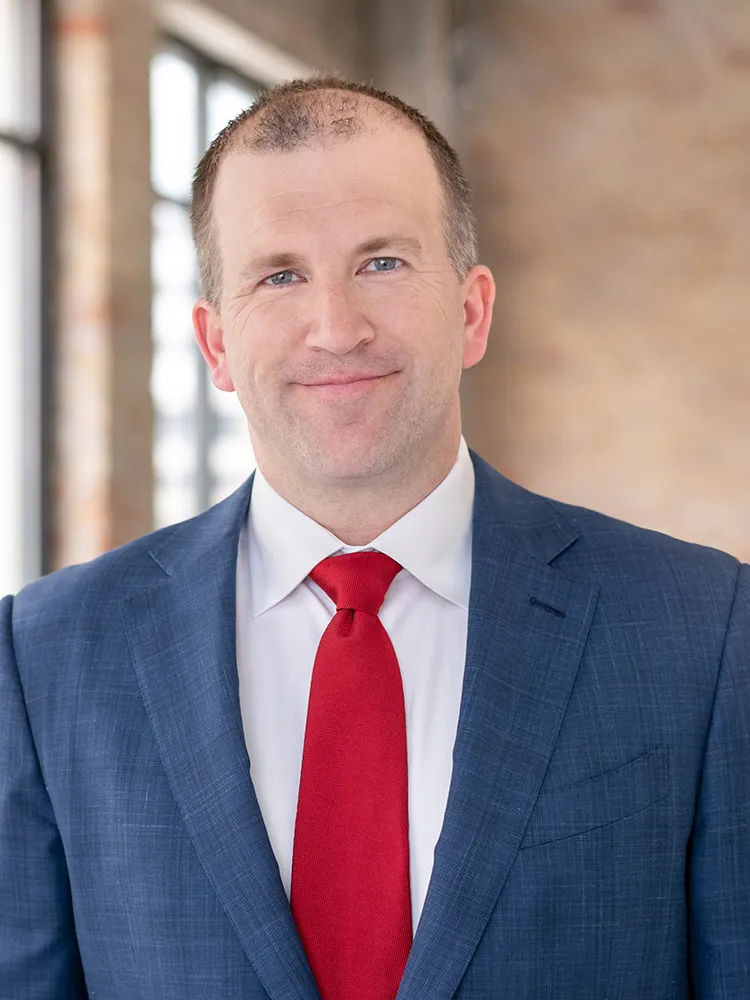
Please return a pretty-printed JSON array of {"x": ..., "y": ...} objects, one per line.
[{"x": 609, "y": 147}]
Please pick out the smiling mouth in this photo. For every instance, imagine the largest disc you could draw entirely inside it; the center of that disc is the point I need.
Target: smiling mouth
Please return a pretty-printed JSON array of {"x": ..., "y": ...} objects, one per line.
[
  {"x": 346, "y": 380},
  {"x": 346, "y": 388}
]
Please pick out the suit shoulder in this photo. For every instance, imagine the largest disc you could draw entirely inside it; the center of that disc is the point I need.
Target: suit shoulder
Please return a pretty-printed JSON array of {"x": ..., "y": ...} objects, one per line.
[
  {"x": 141, "y": 563},
  {"x": 109, "y": 577},
  {"x": 589, "y": 543},
  {"x": 621, "y": 548}
]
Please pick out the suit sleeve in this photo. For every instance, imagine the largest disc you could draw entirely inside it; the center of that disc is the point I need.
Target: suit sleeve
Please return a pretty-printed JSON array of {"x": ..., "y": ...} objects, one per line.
[
  {"x": 38, "y": 952},
  {"x": 719, "y": 873}
]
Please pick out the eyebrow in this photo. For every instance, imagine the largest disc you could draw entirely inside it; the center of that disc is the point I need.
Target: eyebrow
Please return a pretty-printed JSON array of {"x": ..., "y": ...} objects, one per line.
[
  {"x": 282, "y": 261},
  {"x": 406, "y": 243}
]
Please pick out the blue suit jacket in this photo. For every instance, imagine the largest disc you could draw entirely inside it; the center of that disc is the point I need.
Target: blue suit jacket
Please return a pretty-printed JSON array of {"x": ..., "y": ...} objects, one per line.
[{"x": 595, "y": 842}]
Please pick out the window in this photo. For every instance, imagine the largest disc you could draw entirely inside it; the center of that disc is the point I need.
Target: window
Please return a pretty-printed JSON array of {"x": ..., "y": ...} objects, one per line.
[
  {"x": 201, "y": 446},
  {"x": 20, "y": 291}
]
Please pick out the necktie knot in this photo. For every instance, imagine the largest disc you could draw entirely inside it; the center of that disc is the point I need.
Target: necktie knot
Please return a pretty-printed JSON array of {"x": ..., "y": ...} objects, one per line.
[{"x": 356, "y": 580}]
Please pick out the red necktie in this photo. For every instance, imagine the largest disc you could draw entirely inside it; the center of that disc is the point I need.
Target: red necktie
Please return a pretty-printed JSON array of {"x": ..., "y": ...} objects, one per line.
[{"x": 350, "y": 868}]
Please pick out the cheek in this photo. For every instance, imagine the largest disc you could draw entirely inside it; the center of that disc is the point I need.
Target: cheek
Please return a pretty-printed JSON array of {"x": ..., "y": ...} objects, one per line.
[
  {"x": 242, "y": 359},
  {"x": 260, "y": 344},
  {"x": 435, "y": 330},
  {"x": 417, "y": 314}
]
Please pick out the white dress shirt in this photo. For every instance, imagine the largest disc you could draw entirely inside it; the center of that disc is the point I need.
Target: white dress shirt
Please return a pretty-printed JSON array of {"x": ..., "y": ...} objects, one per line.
[{"x": 281, "y": 615}]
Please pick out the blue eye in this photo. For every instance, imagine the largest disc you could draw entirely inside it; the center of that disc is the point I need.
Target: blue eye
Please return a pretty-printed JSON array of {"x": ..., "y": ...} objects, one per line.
[
  {"x": 281, "y": 278},
  {"x": 385, "y": 263}
]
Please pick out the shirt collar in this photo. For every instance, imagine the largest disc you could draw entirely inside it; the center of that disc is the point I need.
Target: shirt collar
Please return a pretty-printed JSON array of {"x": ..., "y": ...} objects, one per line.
[{"x": 432, "y": 541}]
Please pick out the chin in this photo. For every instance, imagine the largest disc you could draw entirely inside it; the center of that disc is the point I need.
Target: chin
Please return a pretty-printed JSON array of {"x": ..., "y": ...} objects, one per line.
[{"x": 342, "y": 459}]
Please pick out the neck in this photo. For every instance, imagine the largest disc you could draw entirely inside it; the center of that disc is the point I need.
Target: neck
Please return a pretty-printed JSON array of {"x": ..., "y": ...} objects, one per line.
[{"x": 357, "y": 512}]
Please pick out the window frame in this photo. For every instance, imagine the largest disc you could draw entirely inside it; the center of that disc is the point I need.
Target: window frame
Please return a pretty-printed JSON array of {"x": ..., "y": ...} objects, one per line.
[{"x": 207, "y": 422}]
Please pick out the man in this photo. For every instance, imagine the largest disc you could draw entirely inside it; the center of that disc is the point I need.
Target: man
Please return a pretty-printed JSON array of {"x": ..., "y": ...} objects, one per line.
[{"x": 382, "y": 721}]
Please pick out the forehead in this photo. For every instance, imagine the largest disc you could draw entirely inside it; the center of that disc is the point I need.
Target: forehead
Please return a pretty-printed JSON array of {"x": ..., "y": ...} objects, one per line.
[{"x": 383, "y": 176}]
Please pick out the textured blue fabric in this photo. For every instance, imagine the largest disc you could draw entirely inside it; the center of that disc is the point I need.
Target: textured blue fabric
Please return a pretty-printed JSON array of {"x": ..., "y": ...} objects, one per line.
[{"x": 596, "y": 843}]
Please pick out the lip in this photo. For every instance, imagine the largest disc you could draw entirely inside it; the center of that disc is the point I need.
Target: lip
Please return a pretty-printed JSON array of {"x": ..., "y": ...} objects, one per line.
[
  {"x": 351, "y": 386},
  {"x": 346, "y": 380}
]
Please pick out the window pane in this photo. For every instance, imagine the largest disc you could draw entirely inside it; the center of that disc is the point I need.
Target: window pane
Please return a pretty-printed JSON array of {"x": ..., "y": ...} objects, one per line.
[
  {"x": 173, "y": 257},
  {"x": 12, "y": 334},
  {"x": 171, "y": 311},
  {"x": 231, "y": 461},
  {"x": 174, "y": 381},
  {"x": 176, "y": 370},
  {"x": 19, "y": 66},
  {"x": 175, "y": 148},
  {"x": 225, "y": 99},
  {"x": 172, "y": 504},
  {"x": 174, "y": 458}
]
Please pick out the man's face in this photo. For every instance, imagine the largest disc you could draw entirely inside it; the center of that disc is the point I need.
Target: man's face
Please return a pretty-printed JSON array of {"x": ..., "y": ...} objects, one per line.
[{"x": 342, "y": 325}]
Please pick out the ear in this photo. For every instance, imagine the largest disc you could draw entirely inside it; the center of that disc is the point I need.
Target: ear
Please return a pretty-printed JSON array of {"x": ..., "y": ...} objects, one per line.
[
  {"x": 209, "y": 334},
  {"x": 478, "y": 296}
]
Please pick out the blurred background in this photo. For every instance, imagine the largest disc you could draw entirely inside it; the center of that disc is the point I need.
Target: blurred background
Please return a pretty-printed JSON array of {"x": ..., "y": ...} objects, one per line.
[{"x": 608, "y": 145}]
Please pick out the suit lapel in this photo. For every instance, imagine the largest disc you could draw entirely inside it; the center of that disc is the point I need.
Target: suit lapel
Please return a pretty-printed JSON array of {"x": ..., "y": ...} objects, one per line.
[
  {"x": 527, "y": 629},
  {"x": 182, "y": 639}
]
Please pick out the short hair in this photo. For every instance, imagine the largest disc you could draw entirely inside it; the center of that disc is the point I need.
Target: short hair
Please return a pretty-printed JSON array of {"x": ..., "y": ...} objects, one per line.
[{"x": 304, "y": 112}]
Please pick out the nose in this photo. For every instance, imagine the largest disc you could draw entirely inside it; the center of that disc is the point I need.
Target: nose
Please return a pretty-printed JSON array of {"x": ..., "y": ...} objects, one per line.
[{"x": 338, "y": 324}]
